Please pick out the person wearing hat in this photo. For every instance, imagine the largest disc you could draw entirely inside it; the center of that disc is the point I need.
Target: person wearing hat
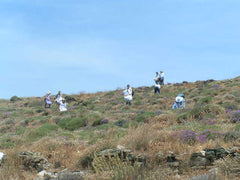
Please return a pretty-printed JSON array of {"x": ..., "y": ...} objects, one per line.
[
  {"x": 48, "y": 101},
  {"x": 179, "y": 102}
]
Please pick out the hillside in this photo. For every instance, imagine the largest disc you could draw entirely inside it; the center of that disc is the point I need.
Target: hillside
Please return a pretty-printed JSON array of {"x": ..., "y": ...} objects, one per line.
[{"x": 165, "y": 140}]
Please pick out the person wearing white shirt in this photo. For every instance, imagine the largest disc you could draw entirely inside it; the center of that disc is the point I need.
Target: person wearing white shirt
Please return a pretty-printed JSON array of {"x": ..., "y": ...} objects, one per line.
[
  {"x": 161, "y": 78},
  {"x": 63, "y": 105},
  {"x": 157, "y": 89},
  {"x": 58, "y": 97},
  {"x": 127, "y": 93},
  {"x": 180, "y": 102}
]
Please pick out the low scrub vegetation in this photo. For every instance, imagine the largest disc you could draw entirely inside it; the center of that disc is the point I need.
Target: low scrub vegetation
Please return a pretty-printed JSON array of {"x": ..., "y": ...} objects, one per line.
[{"x": 149, "y": 127}]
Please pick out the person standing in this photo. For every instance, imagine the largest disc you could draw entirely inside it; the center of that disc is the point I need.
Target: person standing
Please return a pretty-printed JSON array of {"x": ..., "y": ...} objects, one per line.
[
  {"x": 161, "y": 77},
  {"x": 63, "y": 105},
  {"x": 128, "y": 93},
  {"x": 157, "y": 78},
  {"x": 157, "y": 88},
  {"x": 58, "y": 98}
]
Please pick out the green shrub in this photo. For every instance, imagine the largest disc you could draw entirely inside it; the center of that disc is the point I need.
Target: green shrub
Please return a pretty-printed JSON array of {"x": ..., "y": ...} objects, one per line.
[
  {"x": 229, "y": 105},
  {"x": 14, "y": 99},
  {"x": 132, "y": 124},
  {"x": 200, "y": 111},
  {"x": 97, "y": 122},
  {"x": 20, "y": 130},
  {"x": 182, "y": 116},
  {"x": 208, "y": 116},
  {"x": 42, "y": 131},
  {"x": 72, "y": 123},
  {"x": 205, "y": 100},
  {"x": 237, "y": 127},
  {"x": 10, "y": 121},
  {"x": 110, "y": 94},
  {"x": 7, "y": 143},
  {"x": 144, "y": 117},
  {"x": 70, "y": 136}
]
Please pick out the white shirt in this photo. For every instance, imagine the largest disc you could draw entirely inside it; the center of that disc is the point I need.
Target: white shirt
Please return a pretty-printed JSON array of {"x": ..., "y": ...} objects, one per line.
[
  {"x": 63, "y": 106},
  {"x": 179, "y": 99},
  {"x": 127, "y": 94},
  {"x": 162, "y": 74},
  {"x": 158, "y": 86},
  {"x": 1, "y": 155},
  {"x": 59, "y": 99}
]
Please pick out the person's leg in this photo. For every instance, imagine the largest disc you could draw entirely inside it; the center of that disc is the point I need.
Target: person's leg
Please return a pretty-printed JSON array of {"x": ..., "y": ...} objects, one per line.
[{"x": 129, "y": 103}]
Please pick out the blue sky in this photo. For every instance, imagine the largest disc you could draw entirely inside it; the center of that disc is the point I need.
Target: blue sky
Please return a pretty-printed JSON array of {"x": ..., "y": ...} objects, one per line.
[{"x": 99, "y": 45}]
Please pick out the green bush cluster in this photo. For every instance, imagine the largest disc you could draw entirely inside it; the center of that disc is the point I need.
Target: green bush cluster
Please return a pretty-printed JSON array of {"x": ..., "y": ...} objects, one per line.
[
  {"x": 97, "y": 122},
  {"x": 143, "y": 117},
  {"x": 200, "y": 112},
  {"x": 72, "y": 123},
  {"x": 205, "y": 100},
  {"x": 42, "y": 131},
  {"x": 14, "y": 98}
]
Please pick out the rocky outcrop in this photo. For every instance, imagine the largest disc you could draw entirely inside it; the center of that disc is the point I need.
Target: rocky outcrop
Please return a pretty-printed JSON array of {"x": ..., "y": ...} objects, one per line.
[
  {"x": 63, "y": 175},
  {"x": 208, "y": 156},
  {"x": 69, "y": 98},
  {"x": 123, "y": 154},
  {"x": 33, "y": 161},
  {"x": 211, "y": 175},
  {"x": 172, "y": 160}
]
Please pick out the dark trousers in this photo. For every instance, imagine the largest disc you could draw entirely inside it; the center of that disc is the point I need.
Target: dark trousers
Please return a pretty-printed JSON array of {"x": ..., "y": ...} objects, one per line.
[
  {"x": 128, "y": 103},
  {"x": 156, "y": 90},
  {"x": 162, "y": 81},
  {"x": 49, "y": 105}
]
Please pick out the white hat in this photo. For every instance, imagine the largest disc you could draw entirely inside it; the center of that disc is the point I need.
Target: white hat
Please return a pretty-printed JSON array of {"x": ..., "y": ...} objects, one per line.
[
  {"x": 49, "y": 92},
  {"x": 179, "y": 99}
]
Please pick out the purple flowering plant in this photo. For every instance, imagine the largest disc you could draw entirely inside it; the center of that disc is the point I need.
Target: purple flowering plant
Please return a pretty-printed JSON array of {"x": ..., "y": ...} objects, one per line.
[
  {"x": 235, "y": 116},
  {"x": 158, "y": 113},
  {"x": 217, "y": 87}
]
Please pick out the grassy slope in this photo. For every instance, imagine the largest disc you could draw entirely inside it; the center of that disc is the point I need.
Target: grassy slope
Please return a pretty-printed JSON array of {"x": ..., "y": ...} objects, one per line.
[{"x": 149, "y": 125}]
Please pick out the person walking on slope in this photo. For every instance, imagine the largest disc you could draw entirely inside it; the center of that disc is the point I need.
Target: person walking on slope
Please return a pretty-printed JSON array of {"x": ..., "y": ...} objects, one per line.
[
  {"x": 157, "y": 88},
  {"x": 47, "y": 100},
  {"x": 58, "y": 98},
  {"x": 161, "y": 78},
  {"x": 128, "y": 95},
  {"x": 180, "y": 102}
]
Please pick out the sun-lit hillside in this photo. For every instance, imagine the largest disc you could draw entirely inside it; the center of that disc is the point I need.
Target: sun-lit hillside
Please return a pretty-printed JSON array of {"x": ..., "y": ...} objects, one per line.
[{"x": 165, "y": 139}]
